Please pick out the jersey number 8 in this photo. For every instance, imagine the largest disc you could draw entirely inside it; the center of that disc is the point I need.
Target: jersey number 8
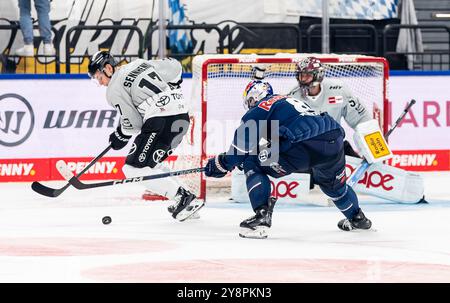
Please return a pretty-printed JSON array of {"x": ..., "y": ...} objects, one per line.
[{"x": 302, "y": 107}]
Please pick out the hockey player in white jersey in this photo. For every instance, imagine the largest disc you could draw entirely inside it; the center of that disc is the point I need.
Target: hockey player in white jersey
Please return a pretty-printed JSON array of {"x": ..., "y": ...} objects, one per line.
[
  {"x": 332, "y": 96},
  {"x": 328, "y": 95},
  {"x": 148, "y": 97}
]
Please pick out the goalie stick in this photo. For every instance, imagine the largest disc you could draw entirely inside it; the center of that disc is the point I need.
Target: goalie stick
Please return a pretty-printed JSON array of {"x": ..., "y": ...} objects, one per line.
[
  {"x": 357, "y": 174},
  {"x": 55, "y": 192}
]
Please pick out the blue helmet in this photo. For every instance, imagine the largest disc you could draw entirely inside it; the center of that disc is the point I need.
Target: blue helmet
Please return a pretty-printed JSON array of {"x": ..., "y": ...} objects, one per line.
[{"x": 255, "y": 91}]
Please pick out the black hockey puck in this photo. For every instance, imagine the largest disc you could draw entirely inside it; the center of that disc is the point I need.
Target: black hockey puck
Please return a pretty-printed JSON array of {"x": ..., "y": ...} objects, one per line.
[{"x": 106, "y": 220}]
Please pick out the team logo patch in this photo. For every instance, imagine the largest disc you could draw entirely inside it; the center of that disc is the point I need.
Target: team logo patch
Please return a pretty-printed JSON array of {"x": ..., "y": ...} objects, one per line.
[
  {"x": 335, "y": 99},
  {"x": 265, "y": 105},
  {"x": 263, "y": 155}
]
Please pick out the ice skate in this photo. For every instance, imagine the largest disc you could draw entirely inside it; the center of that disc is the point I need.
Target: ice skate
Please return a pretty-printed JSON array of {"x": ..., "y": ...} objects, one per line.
[
  {"x": 186, "y": 205},
  {"x": 359, "y": 221},
  {"x": 257, "y": 226},
  {"x": 195, "y": 215}
]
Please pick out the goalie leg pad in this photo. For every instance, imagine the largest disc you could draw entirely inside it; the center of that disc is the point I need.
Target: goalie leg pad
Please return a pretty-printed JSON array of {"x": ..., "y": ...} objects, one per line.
[{"x": 388, "y": 182}]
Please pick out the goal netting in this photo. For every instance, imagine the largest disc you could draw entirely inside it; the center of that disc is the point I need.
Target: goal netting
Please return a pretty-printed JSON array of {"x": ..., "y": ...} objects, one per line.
[{"x": 217, "y": 104}]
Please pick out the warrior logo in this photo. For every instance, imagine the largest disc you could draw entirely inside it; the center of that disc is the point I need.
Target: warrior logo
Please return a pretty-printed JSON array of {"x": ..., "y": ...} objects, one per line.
[{"x": 16, "y": 119}]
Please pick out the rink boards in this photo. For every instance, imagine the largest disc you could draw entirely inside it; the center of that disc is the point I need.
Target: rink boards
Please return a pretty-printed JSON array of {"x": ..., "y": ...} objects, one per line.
[{"x": 46, "y": 119}]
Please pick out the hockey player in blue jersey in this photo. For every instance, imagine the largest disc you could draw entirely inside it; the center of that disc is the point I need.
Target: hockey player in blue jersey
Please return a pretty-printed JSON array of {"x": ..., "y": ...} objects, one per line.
[{"x": 280, "y": 135}]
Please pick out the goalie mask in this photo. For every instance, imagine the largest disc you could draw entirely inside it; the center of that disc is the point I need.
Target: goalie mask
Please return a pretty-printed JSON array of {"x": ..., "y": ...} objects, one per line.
[
  {"x": 98, "y": 61},
  {"x": 310, "y": 72},
  {"x": 255, "y": 91}
]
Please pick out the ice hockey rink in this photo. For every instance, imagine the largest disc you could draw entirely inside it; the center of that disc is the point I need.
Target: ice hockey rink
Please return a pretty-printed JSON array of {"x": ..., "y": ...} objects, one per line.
[{"x": 63, "y": 240}]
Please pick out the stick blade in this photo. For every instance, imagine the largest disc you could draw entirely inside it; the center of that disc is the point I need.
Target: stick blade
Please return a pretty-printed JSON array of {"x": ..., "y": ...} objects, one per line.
[{"x": 45, "y": 190}]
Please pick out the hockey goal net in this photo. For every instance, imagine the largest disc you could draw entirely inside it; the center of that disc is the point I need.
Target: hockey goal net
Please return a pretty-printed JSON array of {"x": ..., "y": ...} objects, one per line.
[{"x": 217, "y": 105}]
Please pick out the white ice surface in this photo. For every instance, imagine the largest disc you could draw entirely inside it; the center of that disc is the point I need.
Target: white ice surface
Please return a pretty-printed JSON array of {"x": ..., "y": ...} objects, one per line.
[{"x": 63, "y": 240}]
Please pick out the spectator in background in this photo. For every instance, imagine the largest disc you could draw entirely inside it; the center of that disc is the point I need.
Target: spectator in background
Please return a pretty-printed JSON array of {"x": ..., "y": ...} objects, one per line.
[{"x": 26, "y": 25}]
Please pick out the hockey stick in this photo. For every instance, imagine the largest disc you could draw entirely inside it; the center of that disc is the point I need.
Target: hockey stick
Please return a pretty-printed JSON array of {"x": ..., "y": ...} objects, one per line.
[
  {"x": 52, "y": 192},
  {"x": 357, "y": 174},
  {"x": 65, "y": 172}
]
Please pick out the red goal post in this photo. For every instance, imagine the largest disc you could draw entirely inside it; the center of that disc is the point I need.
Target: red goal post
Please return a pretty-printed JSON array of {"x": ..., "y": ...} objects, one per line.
[{"x": 216, "y": 98}]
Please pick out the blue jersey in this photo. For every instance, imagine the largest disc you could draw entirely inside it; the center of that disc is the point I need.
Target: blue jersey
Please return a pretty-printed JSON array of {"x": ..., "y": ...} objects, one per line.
[{"x": 289, "y": 119}]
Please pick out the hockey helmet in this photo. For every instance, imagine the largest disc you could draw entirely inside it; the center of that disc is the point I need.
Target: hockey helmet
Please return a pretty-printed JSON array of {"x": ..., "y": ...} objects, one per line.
[
  {"x": 255, "y": 91},
  {"x": 311, "y": 66},
  {"x": 98, "y": 61}
]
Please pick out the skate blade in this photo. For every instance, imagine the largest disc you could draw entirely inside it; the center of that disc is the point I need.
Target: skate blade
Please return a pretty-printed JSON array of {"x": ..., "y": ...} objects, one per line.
[
  {"x": 260, "y": 232},
  {"x": 194, "y": 216},
  {"x": 187, "y": 214},
  {"x": 360, "y": 230}
]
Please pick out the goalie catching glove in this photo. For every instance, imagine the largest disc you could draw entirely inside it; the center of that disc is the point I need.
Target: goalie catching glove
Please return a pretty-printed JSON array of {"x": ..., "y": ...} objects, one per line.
[
  {"x": 216, "y": 167},
  {"x": 371, "y": 142},
  {"x": 118, "y": 139}
]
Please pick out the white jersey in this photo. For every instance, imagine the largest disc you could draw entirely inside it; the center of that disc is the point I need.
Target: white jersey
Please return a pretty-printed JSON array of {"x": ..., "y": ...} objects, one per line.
[
  {"x": 335, "y": 99},
  {"x": 146, "y": 88}
]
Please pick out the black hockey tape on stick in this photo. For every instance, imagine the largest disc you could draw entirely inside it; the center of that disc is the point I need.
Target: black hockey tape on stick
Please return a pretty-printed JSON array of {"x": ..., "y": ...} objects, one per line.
[
  {"x": 364, "y": 165},
  {"x": 65, "y": 172},
  {"x": 55, "y": 192},
  {"x": 405, "y": 111}
]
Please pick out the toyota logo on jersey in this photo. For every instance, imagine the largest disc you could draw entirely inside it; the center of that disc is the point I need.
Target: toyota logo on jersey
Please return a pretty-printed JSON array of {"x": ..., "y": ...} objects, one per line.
[
  {"x": 16, "y": 119},
  {"x": 158, "y": 155},
  {"x": 163, "y": 101}
]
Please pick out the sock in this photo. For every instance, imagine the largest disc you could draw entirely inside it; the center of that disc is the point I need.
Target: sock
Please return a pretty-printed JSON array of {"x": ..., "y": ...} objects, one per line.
[
  {"x": 258, "y": 185},
  {"x": 346, "y": 201}
]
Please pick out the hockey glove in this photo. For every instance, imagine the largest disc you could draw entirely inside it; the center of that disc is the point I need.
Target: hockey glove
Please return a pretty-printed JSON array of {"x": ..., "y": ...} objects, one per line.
[
  {"x": 118, "y": 140},
  {"x": 215, "y": 167}
]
